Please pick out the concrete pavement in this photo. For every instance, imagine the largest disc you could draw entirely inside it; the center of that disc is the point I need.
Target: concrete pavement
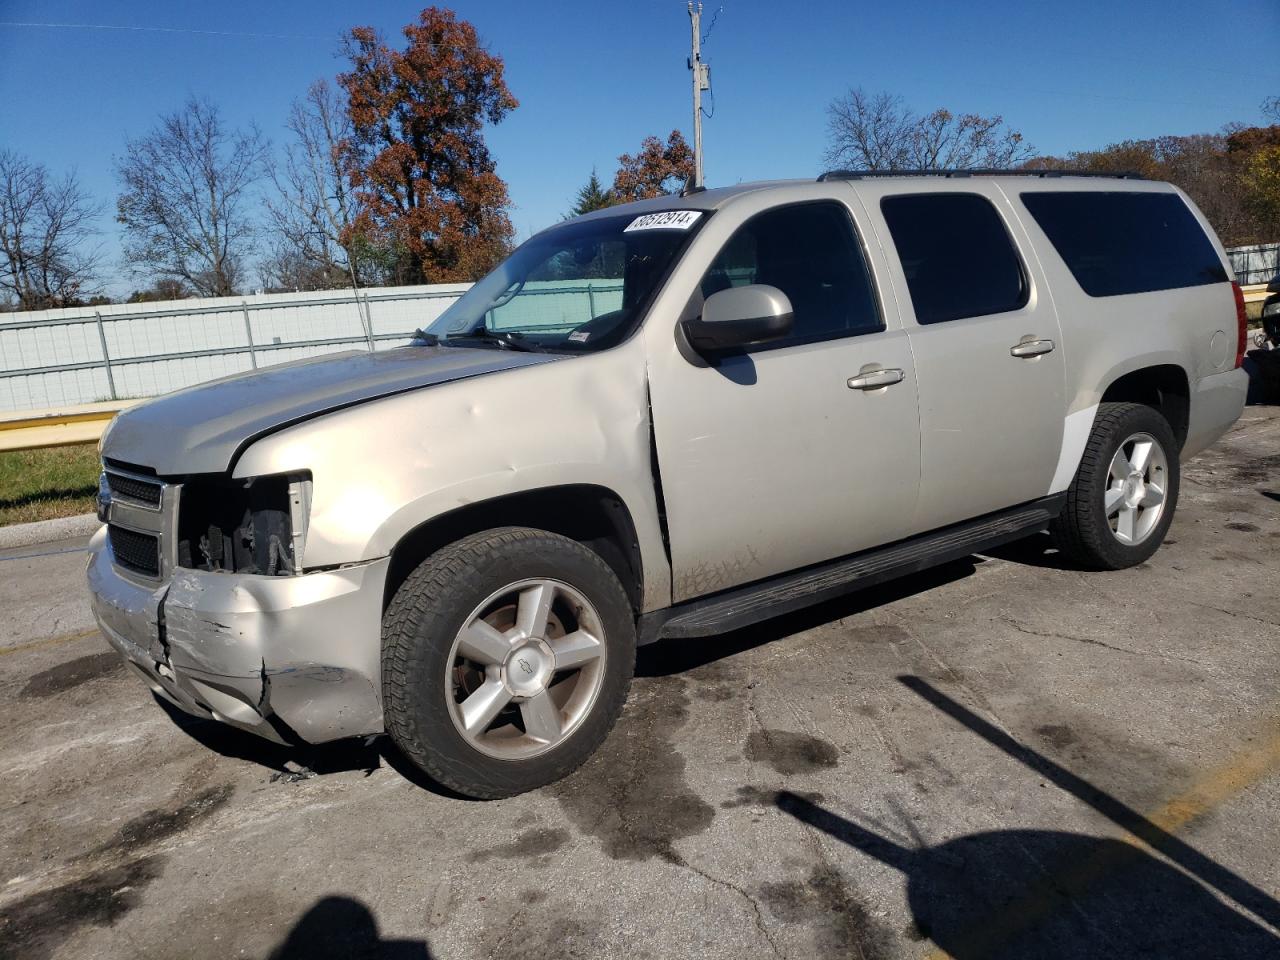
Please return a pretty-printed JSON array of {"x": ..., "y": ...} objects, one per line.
[{"x": 1001, "y": 757}]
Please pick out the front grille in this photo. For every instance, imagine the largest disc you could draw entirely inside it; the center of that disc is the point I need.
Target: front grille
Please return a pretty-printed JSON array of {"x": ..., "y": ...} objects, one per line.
[
  {"x": 134, "y": 488},
  {"x": 139, "y": 552}
]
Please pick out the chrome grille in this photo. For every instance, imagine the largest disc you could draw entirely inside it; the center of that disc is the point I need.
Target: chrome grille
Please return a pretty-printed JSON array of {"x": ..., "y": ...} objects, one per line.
[
  {"x": 139, "y": 552},
  {"x": 141, "y": 513},
  {"x": 132, "y": 487}
]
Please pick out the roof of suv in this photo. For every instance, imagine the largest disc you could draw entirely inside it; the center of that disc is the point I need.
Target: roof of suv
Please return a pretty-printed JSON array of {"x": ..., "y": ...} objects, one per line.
[{"x": 717, "y": 197}]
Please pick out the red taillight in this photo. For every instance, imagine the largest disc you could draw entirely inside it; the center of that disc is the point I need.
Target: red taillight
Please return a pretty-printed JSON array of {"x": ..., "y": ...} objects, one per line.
[{"x": 1242, "y": 320}]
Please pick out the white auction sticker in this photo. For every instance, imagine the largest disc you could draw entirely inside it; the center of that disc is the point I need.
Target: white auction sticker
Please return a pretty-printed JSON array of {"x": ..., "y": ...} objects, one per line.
[{"x": 667, "y": 220}]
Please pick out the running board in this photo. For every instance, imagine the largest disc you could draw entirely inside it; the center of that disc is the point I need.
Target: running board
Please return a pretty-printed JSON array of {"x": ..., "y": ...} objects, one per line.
[{"x": 743, "y": 606}]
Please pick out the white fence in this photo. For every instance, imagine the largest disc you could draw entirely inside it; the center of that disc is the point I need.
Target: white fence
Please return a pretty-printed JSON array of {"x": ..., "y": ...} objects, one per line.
[
  {"x": 58, "y": 358},
  {"x": 1256, "y": 264}
]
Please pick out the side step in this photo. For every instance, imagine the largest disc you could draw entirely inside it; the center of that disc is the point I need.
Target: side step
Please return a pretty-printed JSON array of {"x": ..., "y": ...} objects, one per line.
[{"x": 743, "y": 606}]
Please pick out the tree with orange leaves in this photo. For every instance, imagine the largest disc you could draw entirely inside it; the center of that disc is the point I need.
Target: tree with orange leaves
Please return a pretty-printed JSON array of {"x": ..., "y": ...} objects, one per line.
[
  {"x": 657, "y": 169},
  {"x": 416, "y": 159}
]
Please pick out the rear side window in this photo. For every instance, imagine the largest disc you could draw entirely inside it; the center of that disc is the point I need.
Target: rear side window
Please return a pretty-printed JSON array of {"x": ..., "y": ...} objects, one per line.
[
  {"x": 1116, "y": 243},
  {"x": 810, "y": 252},
  {"x": 957, "y": 256}
]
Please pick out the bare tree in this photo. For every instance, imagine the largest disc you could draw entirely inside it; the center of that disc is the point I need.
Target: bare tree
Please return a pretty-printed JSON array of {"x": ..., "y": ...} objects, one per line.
[
  {"x": 312, "y": 210},
  {"x": 46, "y": 226},
  {"x": 869, "y": 132},
  {"x": 880, "y": 132},
  {"x": 187, "y": 190}
]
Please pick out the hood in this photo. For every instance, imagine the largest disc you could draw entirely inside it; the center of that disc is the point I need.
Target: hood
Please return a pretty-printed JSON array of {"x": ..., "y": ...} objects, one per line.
[{"x": 201, "y": 428}]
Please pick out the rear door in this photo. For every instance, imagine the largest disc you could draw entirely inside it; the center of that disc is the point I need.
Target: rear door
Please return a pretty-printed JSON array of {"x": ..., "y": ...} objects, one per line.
[
  {"x": 987, "y": 345},
  {"x": 770, "y": 460}
]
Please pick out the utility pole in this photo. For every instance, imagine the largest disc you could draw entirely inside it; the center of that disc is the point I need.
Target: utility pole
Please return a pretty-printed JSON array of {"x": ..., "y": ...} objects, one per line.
[{"x": 701, "y": 81}]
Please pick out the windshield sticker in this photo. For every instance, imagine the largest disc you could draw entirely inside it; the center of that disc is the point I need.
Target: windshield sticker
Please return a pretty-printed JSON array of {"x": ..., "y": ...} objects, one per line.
[
  {"x": 668, "y": 220},
  {"x": 580, "y": 336}
]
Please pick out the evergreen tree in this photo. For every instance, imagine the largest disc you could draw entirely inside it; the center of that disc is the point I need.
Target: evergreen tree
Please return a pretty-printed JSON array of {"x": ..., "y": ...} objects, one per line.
[{"x": 591, "y": 197}]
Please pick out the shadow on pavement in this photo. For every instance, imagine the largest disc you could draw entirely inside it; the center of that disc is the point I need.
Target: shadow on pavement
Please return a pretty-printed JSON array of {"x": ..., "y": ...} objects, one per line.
[
  {"x": 1037, "y": 550},
  {"x": 303, "y": 761},
  {"x": 1050, "y": 894},
  {"x": 342, "y": 927},
  {"x": 666, "y": 658}
]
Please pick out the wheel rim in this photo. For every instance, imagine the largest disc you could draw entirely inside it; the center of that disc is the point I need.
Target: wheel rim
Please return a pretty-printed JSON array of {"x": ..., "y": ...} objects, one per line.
[
  {"x": 525, "y": 669},
  {"x": 1136, "y": 487}
]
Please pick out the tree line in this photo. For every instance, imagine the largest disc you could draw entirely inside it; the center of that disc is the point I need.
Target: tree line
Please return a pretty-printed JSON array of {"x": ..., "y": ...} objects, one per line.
[
  {"x": 1233, "y": 175},
  {"x": 385, "y": 178}
]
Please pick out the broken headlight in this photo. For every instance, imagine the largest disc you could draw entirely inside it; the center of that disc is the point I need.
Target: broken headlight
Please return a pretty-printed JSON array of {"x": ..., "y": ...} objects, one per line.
[{"x": 256, "y": 525}]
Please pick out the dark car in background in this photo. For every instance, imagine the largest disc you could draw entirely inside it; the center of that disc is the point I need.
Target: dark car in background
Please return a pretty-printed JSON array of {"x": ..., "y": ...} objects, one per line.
[{"x": 1269, "y": 338}]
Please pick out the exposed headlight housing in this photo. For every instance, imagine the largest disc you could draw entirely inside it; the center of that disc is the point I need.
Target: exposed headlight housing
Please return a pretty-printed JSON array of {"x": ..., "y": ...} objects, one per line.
[{"x": 256, "y": 525}]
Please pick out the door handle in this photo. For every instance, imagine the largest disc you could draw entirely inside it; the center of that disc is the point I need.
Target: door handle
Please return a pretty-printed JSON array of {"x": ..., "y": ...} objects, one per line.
[
  {"x": 1031, "y": 348},
  {"x": 874, "y": 379}
]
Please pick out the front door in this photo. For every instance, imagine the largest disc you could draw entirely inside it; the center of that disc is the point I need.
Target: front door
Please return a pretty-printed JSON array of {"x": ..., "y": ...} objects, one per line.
[{"x": 771, "y": 460}]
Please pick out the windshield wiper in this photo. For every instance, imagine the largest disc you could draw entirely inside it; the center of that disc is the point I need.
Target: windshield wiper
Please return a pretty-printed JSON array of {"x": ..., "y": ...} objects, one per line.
[{"x": 509, "y": 339}]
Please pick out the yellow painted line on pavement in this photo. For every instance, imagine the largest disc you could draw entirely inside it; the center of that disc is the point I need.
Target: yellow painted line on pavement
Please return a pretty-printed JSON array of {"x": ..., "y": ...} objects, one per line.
[
  {"x": 1216, "y": 787},
  {"x": 50, "y": 641}
]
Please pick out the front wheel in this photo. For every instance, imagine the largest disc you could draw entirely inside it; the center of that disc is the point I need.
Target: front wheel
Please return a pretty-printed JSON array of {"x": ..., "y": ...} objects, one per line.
[
  {"x": 1121, "y": 502},
  {"x": 506, "y": 658}
]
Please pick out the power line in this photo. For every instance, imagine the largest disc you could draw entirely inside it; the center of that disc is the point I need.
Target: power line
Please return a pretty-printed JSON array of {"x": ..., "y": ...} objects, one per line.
[
  {"x": 208, "y": 33},
  {"x": 712, "y": 25}
]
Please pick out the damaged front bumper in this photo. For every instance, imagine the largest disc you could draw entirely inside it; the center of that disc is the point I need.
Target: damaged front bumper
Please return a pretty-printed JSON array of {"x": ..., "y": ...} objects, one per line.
[{"x": 278, "y": 656}]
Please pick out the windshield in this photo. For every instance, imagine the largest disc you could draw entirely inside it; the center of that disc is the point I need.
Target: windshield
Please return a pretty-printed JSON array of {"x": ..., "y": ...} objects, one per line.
[{"x": 580, "y": 286}]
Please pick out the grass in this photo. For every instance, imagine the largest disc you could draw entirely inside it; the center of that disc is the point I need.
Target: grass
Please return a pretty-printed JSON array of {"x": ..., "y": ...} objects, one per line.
[{"x": 41, "y": 484}]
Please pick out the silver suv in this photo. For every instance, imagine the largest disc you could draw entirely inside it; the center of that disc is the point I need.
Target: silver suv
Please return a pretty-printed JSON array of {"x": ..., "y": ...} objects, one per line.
[{"x": 666, "y": 419}]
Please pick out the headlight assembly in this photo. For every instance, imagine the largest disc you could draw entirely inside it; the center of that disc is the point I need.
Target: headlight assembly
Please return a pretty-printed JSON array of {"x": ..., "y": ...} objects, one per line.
[{"x": 256, "y": 525}]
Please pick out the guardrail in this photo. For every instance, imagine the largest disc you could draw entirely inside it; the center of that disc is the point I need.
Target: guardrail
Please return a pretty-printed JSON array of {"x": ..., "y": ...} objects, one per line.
[
  {"x": 34, "y": 429},
  {"x": 1255, "y": 292}
]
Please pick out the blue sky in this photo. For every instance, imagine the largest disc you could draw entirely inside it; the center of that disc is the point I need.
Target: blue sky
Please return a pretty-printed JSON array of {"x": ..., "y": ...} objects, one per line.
[{"x": 593, "y": 79}]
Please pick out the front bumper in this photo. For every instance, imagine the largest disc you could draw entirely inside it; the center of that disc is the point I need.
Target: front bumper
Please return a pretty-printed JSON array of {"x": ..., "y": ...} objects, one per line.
[{"x": 271, "y": 655}]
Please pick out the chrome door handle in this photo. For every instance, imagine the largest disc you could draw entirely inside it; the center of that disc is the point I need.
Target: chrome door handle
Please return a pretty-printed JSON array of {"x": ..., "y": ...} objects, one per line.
[
  {"x": 1031, "y": 348},
  {"x": 874, "y": 379}
]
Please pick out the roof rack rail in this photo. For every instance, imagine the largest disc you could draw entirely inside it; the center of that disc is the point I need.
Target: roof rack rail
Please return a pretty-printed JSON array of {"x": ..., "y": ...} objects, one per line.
[{"x": 870, "y": 174}]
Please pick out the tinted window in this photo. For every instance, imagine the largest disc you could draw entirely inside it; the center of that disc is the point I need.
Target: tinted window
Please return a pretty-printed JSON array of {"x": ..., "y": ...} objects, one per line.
[
  {"x": 957, "y": 256},
  {"x": 1118, "y": 243},
  {"x": 811, "y": 254}
]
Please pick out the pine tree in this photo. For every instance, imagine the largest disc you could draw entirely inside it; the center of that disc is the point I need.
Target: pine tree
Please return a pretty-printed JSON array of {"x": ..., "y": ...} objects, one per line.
[{"x": 591, "y": 197}]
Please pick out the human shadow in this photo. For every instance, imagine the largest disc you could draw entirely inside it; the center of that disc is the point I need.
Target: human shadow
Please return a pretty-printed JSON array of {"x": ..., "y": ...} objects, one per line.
[
  {"x": 1052, "y": 894},
  {"x": 343, "y": 928}
]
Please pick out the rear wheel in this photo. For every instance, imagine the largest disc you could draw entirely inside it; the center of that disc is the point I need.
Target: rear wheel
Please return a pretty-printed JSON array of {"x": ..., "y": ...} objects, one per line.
[
  {"x": 1121, "y": 502},
  {"x": 506, "y": 659}
]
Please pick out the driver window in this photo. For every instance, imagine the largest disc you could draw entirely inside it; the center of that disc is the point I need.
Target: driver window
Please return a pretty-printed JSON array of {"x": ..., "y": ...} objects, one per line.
[{"x": 810, "y": 252}]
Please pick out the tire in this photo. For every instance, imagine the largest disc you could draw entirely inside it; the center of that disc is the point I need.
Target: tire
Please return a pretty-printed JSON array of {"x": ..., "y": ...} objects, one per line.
[
  {"x": 494, "y": 584},
  {"x": 1085, "y": 530}
]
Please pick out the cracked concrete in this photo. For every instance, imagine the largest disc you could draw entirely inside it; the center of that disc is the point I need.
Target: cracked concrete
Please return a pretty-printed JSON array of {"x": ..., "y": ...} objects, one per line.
[{"x": 778, "y": 792}]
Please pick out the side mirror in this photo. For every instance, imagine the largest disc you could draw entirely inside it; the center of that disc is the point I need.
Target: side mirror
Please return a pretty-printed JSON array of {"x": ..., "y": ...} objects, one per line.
[
  {"x": 1274, "y": 285},
  {"x": 740, "y": 316}
]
